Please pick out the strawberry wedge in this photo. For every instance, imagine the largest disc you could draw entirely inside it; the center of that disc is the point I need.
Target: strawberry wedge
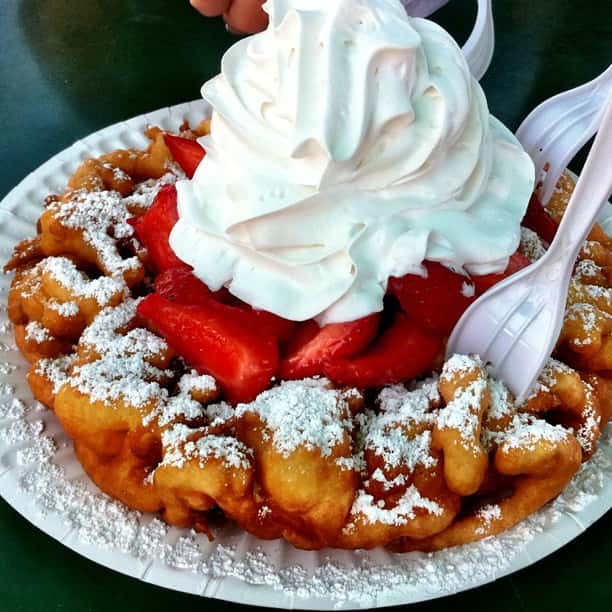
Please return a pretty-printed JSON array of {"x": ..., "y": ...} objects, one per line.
[
  {"x": 313, "y": 346},
  {"x": 154, "y": 227},
  {"x": 537, "y": 219},
  {"x": 403, "y": 352},
  {"x": 182, "y": 286},
  {"x": 186, "y": 153},
  {"x": 437, "y": 301},
  {"x": 517, "y": 262},
  {"x": 211, "y": 341}
]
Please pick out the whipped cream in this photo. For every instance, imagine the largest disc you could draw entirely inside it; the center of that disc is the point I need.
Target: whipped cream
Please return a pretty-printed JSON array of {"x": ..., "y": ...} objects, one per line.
[{"x": 349, "y": 144}]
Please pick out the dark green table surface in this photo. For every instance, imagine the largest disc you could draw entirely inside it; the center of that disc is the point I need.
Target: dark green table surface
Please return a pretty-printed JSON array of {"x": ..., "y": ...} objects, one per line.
[{"x": 69, "y": 67}]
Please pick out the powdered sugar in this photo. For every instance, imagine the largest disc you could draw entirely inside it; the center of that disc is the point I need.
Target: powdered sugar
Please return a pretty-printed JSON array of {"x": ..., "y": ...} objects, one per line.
[
  {"x": 487, "y": 514},
  {"x": 461, "y": 364},
  {"x": 360, "y": 578},
  {"x": 468, "y": 290},
  {"x": 197, "y": 382},
  {"x": 182, "y": 444},
  {"x": 302, "y": 414},
  {"x": 586, "y": 316},
  {"x": 367, "y": 509},
  {"x": 501, "y": 404},
  {"x": 526, "y": 432},
  {"x": 400, "y": 434},
  {"x": 55, "y": 370},
  {"x": 77, "y": 284},
  {"x": 64, "y": 309},
  {"x": 93, "y": 213},
  {"x": 144, "y": 193},
  {"x": 531, "y": 246},
  {"x": 587, "y": 270},
  {"x": 107, "y": 334},
  {"x": 35, "y": 332},
  {"x": 462, "y": 414},
  {"x": 119, "y": 380}
]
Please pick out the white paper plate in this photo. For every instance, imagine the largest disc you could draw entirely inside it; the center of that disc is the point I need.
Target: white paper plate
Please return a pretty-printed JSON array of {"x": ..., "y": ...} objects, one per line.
[{"x": 41, "y": 479}]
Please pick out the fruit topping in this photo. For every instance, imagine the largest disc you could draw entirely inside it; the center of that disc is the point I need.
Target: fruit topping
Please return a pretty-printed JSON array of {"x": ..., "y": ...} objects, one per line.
[
  {"x": 402, "y": 352},
  {"x": 437, "y": 301},
  {"x": 154, "y": 227},
  {"x": 213, "y": 340},
  {"x": 312, "y": 346},
  {"x": 186, "y": 152}
]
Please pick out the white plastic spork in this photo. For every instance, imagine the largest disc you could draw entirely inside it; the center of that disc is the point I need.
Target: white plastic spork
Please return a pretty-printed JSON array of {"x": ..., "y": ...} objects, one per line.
[
  {"x": 479, "y": 47},
  {"x": 515, "y": 325},
  {"x": 556, "y": 130}
]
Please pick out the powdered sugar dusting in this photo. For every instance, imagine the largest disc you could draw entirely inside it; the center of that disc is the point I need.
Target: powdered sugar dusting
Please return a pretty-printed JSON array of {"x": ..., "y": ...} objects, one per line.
[
  {"x": 143, "y": 195},
  {"x": 462, "y": 414},
  {"x": 587, "y": 270},
  {"x": 93, "y": 213},
  {"x": 201, "y": 383},
  {"x": 64, "y": 272},
  {"x": 35, "y": 332},
  {"x": 531, "y": 246},
  {"x": 108, "y": 334},
  {"x": 182, "y": 444},
  {"x": 359, "y": 579},
  {"x": 527, "y": 431},
  {"x": 64, "y": 309},
  {"x": 461, "y": 364},
  {"x": 55, "y": 370},
  {"x": 302, "y": 414},
  {"x": 396, "y": 433},
  {"x": 130, "y": 380},
  {"x": 366, "y": 508},
  {"x": 487, "y": 514}
]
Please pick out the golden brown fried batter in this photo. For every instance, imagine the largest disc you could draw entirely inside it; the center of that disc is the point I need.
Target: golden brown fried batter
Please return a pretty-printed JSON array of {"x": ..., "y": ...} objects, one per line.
[{"x": 443, "y": 462}]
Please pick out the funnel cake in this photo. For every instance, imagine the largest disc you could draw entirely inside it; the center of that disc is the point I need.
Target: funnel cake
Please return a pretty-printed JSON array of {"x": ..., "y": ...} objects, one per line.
[{"x": 436, "y": 461}]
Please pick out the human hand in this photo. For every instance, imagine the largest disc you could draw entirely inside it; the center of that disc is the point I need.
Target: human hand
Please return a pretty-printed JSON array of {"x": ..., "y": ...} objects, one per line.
[{"x": 241, "y": 16}]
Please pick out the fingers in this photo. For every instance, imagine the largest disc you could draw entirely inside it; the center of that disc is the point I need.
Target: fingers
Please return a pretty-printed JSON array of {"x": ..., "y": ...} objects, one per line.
[
  {"x": 211, "y": 8},
  {"x": 246, "y": 16}
]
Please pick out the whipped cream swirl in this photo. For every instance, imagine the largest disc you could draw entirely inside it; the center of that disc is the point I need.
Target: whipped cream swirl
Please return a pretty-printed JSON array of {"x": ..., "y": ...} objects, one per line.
[{"x": 349, "y": 144}]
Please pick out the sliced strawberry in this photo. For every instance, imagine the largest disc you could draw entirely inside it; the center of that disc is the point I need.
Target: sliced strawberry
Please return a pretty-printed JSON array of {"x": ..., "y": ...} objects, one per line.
[
  {"x": 267, "y": 322},
  {"x": 182, "y": 286},
  {"x": 187, "y": 153},
  {"x": 483, "y": 283},
  {"x": 537, "y": 219},
  {"x": 436, "y": 302},
  {"x": 312, "y": 346},
  {"x": 403, "y": 352},
  {"x": 154, "y": 227},
  {"x": 211, "y": 341}
]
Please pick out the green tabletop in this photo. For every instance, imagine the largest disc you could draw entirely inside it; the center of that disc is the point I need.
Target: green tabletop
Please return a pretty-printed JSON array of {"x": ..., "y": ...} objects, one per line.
[{"x": 69, "y": 67}]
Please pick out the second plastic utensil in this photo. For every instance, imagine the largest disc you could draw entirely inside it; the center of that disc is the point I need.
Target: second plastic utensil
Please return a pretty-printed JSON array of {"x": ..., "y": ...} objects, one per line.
[
  {"x": 479, "y": 47},
  {"x": 558, "y": 128},
  {"x": 515, "y": 325}
]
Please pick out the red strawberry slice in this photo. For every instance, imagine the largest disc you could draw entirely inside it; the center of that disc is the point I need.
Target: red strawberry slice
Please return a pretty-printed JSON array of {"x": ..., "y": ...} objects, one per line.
[
  {"x": 211, "y": 341},
  {"x": 182, "y": 286},
  {"x": 312, "y": 346},
  {"x": 267, "y": 322},
  {"x": 187, "y": 153},
  {"x": 403, "y": 352},
  {"x": 154, "y": 227},
  {"x": 436, "y": 302},
  {"x": 537, "y": 219},
  {"x": 483, "y": 283}
]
